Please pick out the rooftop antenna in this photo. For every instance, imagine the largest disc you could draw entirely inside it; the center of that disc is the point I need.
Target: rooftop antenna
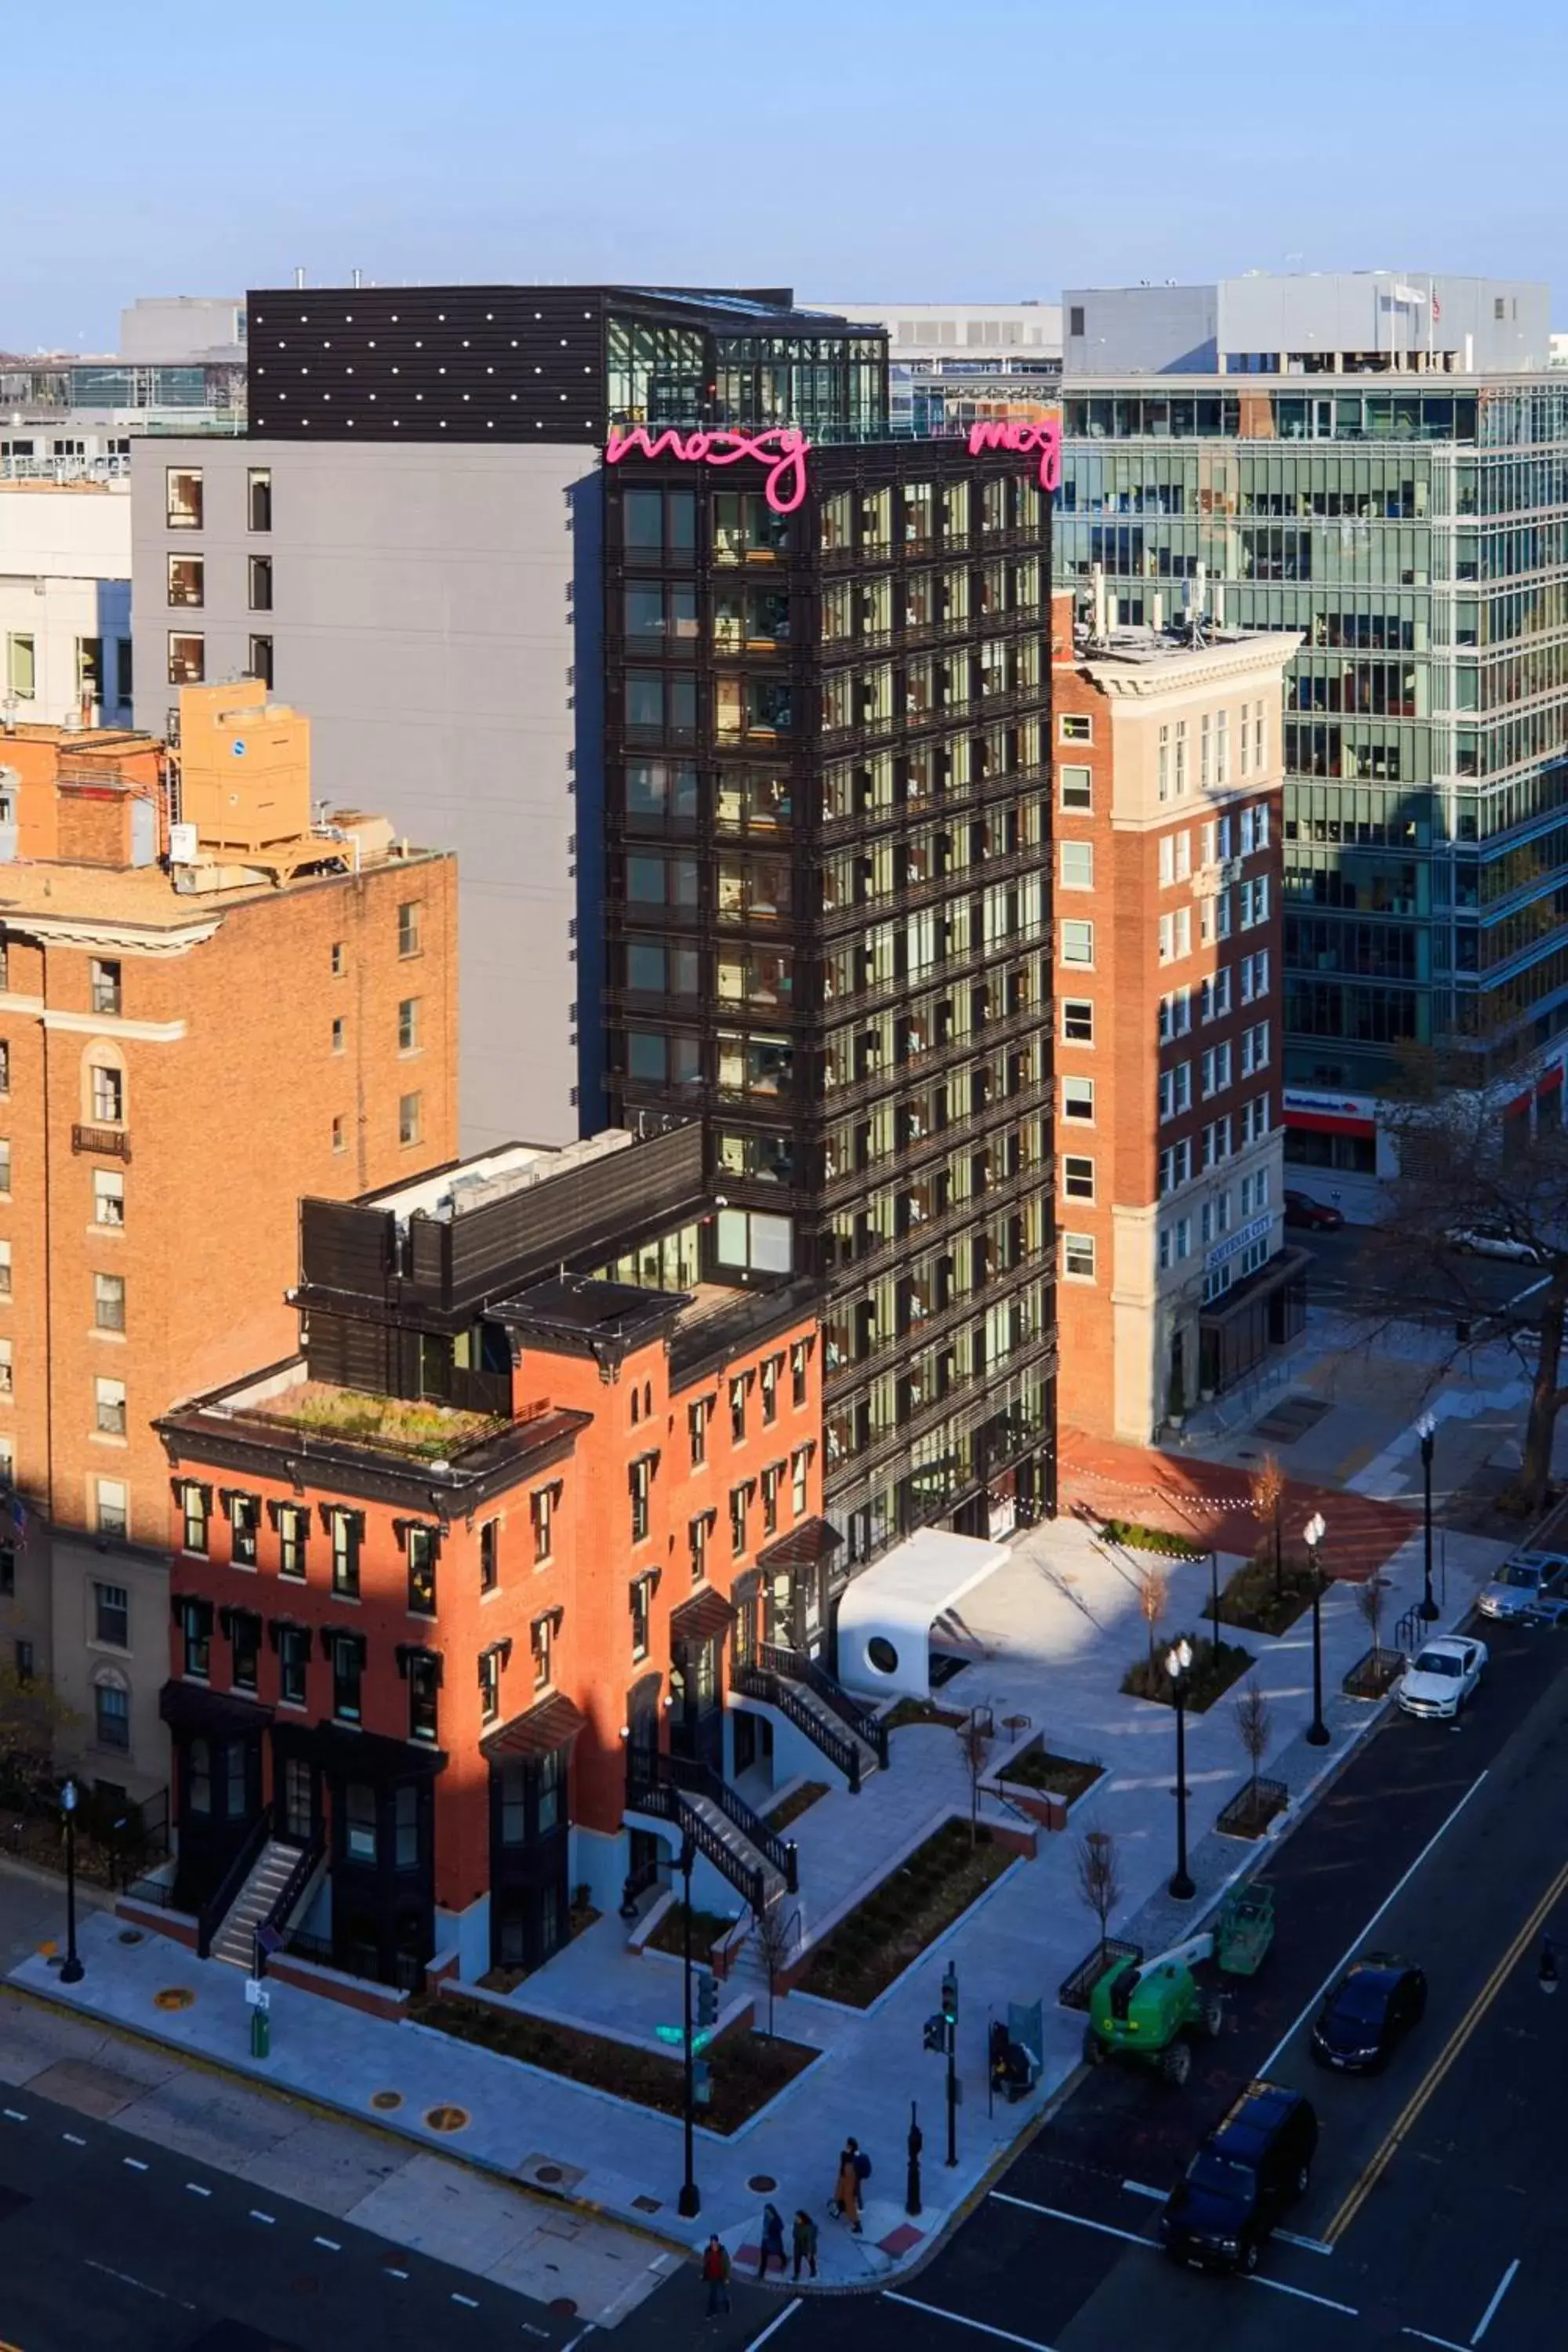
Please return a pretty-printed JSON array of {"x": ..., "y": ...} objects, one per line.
[
  {"x": 1196, "y": 597},
  {"x": 299, "y": 278},
  {"x": 355, "y": 277}
]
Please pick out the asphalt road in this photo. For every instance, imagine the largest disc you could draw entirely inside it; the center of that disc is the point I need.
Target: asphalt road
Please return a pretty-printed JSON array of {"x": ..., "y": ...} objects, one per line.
[
  {"x": 1428, "y": 2188},
  {"x": 1347, "y": 1271}
]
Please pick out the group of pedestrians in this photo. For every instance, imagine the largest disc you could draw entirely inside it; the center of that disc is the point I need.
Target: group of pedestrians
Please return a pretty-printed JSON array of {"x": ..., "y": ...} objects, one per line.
[{"x": 848, "y": 2185}]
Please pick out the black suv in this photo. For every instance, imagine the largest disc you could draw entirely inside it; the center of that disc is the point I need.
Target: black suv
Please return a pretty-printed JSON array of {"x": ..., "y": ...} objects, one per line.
[{"x": 1256, "y": 2163}]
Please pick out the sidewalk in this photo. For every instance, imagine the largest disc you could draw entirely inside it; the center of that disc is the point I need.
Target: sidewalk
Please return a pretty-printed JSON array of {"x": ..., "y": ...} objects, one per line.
[{"x": 1048, "y": 1636}]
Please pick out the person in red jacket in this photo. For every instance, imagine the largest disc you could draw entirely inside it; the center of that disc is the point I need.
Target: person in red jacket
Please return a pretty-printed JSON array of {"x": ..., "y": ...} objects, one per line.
[{"x": 716, "y": 2271}]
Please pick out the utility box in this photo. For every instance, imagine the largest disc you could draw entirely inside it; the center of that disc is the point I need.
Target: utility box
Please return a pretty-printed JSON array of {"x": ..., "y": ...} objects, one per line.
[{"x": 244, "y": 773}]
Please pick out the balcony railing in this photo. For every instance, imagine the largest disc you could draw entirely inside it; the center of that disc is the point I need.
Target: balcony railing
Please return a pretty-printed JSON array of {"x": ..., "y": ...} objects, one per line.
[{"x": 109, "y": 1142}]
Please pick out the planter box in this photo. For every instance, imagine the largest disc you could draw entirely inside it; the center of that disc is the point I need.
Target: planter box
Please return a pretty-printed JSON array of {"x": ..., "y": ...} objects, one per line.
[
  {"x": 1049, "y": 1812},
  {"x": 1074, "y": 1991},
  {"x": 1251, "y": 1810},
  {"x": 1374, "y": 1676}
]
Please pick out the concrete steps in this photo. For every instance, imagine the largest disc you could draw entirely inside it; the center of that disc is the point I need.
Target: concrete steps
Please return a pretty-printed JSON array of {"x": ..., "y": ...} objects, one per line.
[
  {"x": 735, "y": 1841},
  {"x": 235, "y": 1943}
]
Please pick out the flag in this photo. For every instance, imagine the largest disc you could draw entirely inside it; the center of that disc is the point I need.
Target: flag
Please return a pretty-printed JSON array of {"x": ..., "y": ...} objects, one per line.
[{"x": 1437, "y": 306}]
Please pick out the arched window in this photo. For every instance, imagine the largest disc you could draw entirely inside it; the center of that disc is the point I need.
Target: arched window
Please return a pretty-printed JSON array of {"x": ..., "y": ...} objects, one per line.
[{"x": 111, "y": 1709}]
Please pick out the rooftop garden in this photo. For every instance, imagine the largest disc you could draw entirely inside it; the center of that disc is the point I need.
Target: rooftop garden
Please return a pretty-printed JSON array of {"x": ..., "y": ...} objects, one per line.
[{"x": 416, "y": 1425}]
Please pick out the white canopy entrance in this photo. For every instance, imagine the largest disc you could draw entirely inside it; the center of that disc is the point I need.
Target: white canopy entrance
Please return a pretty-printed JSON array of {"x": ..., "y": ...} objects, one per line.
[{"x": 887, "y": 1613}]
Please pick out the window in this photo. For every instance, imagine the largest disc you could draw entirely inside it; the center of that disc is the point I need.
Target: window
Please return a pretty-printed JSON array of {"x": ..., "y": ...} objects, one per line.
[
  {"x": 5, "y": 1165},
  {"x": 697, "y": 1544},
  {"x": 122, "y": 669},
  {"x": 771, "y": 1476},
  {"x": 1175, "y": 1090},
  {"x": 348, "y": 1669},
  {"x": 183, "y": 497},
  {"x": 259, "y": 498},
  {"x": 244, "y": 1526},
  {"x": 1175, "y": 1165},
  {"x": 799, "y": 1474},
  {"x": 261, "y": 583},
  {"x": 641, "y": 1479},
  {"x": 1078, "y": 1021},
  {"x": 541, "y": 1644},
  {"x": 340, "y": 960},
  {"x": 347, "y": 1530},
  {"x": 340, "y": 1035},
  {"x": 111, "y": 1615},
  {"x": 740, "y": 1498},
  {"x": 738, "y": 1410},
  {"x": 424, "y": 1702},
  {"x": 293, "y": 1524},
  {"x": 541, "y": 1519},
  {"x": 641, "y": 1594},
  {"x": 408, "y": 1025},
  {"x": 1077, "y": 1256},
  {"x": 187, "y": 580},
  {"x": 489, "y": 1685},
  {"x": 359, "y": 1822},
  {"x": 187, "y": 659},
  {"x": 108, "y": 1094},
  {"x": 293, "y": 1657},
  {"x": 260, "y": 662},
  {"x": 244, "y": 1648},
  {"x": 7, "y": 1388},
  {"x": 22, "y": 667},
  {"x": 1077, "y": 789},
  {"x": 1078, "y": 1098},
  {"x": 1255, "y": 1120},
  {"x": 1255, "y": 1049},
  {"x": 1074, "y": 727},
  {"x": 1177, "y": 935},
  {"x": 196, "y": 1505},
  {"x": 1078, "y": 1179},
  {"x": 419, "y": 1546},
  {"x": 1078, "y": 943},
  {"x": 1255, "y": 902},
  {"x": 1175, "y": 1016},
  {"x": 197, "y": 1628},
  {"x": 111, "y": 1716},
  {"x": 769, "y": 1386},
  {"x": 1216, "y": 1069},
  {"x": 410, "y": 1116},
  {"x": 340, "y": 1139},
  {"x": 696, "y": 1430},
  {"x": 104, "y": 981},
  {"x": 5, "y": 1269},
  {"x": 799, "y": 1363},
  {"x": 490, "y": 1555},
  {"x": 409, "y": 926},
  {"x": 1077, "y": 865}
]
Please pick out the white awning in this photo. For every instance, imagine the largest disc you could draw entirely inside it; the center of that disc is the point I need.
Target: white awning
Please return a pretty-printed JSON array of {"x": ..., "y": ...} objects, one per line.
[{"x": 886, "y": 1613}]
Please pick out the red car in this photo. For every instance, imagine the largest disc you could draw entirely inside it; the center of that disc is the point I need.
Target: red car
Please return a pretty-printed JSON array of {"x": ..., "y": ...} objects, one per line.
[{"x": 1300, "y": 1209}]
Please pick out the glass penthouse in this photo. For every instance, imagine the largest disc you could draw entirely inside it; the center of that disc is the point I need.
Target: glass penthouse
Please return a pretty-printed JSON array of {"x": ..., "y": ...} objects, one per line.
[{"x": 1383, "y": 465}]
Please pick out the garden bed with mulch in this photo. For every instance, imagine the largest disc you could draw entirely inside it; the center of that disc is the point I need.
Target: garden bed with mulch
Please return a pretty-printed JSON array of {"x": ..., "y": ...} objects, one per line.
[
  {"x": 1251, "y": 1601},
  {"x": 912, "y": 1906},
  {"x": 1215, "y": 1665},
  {"x": 746, "y": 2069},
  {"x": 1252, "y": 1809},
  {"x": 1133, "y": 1536},
  {"x": 1066, "y": 1777},
  {"x": 799, "y": 1800},
  {"x": 669, "y": 1935},
  {"x": 923, "y": 1710},
  {"x": 1373, "y": 1674}
]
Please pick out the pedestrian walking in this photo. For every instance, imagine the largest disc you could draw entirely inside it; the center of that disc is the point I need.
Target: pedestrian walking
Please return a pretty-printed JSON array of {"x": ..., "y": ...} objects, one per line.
[
  {"x": 804, "y": 2237},
  {"x": 772, "y": 2247},
  {"x": 853, "y": 2171},
  {"x": 716, "y": 2271}
]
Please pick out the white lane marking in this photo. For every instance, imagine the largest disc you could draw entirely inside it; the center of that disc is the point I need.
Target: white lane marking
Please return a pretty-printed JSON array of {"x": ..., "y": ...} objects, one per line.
[
  {"x": 196, "y": 2189},
  {"x": 770, "y": 2329},
  {"x": 1421, "y": 2334},
  {"x": 1275, "y": 2055},
  {"x": 132, "y": 2163},
  {"x": 269, "y": 2219},
  {"x": 1141, "y": 2189},
  {"x": 466, "y": 2301},
  {"x": 1302, "y": 2294},
  {"x": 981, "y": 2328},
  {"x": 1489, "y": 2313},
  {"x": 1078, "y": 2220},
  {"x": 584, "y": 2334},
  {"x": 331, "y": 2245},
  {"x": 71, "y": 2139},
  {"x": 126, "y": 2280},
  {"x": 13, "y": 2114},
  {"x": 391, "y": 2273}
]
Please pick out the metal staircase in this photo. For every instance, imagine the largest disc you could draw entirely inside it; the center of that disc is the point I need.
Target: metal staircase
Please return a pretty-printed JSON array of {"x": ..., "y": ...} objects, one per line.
[
  {"x": 235, "y": 1941},
  {"x": 853, "y": 1744},
  {"x": 701, "y": 1804}
]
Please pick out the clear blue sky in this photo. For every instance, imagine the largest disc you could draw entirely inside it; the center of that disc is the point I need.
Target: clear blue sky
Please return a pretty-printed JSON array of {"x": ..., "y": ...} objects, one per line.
[{"x": 937, "y": 149}]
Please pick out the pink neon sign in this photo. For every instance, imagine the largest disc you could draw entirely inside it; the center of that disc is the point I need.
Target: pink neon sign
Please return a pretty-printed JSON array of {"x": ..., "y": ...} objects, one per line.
[
  {"x": 780, "y": 448},
  {"x": 996, "y": 433}
]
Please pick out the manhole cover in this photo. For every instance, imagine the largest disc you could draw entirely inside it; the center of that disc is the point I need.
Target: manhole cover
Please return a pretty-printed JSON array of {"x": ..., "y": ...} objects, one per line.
[
  {"x": 762, "y": 2182},
  {"x": 562, "y": 2307},
  {"x": 173, "y": 1997},
  {"x": 386, "y": 2100},
  {"x": 447, "y": 2119},
  {"x": 648, "y": 2204},
  {"x": 131, "y": 1935},
  {"x": 547, "y": 2172}
]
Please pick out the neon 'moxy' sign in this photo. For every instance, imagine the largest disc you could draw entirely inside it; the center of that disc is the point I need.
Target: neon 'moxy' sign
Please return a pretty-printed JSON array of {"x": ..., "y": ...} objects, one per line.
[
  {"x": 996, "y": 433},
  {"x": 782, "y": 449}
]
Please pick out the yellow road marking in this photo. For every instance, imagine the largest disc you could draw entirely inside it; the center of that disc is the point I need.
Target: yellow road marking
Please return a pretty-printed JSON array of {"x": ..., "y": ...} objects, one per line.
[{"x": 1451, "y": 2049}]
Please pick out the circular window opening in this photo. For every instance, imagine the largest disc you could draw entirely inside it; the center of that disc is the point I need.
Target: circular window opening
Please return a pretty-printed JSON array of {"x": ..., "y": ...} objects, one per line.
[{"x": 882, "y": 1655}]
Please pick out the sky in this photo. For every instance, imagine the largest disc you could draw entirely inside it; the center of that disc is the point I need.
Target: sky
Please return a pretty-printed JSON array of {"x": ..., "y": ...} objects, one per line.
[{"x": 937, "y": 150}]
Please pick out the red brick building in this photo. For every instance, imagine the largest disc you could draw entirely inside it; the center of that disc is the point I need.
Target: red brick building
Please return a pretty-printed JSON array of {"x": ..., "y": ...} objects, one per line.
[
  {"x": 1175, "y": 1276},
  {"x": 482, "y": 1562}
]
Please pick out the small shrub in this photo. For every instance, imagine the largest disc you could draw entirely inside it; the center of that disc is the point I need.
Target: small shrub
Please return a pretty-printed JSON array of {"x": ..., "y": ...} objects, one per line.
[
  {"x": 1133, "y": 1536},
  {"x": 1215, "y": 1665}
]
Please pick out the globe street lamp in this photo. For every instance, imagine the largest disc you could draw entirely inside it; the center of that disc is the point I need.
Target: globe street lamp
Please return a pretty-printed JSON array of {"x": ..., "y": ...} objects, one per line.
[
  {"x": 1427, "y": 1429},
  {"x": 1177, "y": 1663},
  {"x": 71, "y": 1972},
  {"x": 1312, "y": 1535}
]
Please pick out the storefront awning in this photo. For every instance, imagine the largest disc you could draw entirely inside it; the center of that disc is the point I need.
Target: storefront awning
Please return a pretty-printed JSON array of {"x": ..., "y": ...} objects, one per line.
[
  {"x": 805, "y": 1547},
  {"x": 706, "y": 1615},
  {"x": 887, "y": 1613},
  {"x": 209, "y": 1713},
  {"x": 554, "y": 1723}
]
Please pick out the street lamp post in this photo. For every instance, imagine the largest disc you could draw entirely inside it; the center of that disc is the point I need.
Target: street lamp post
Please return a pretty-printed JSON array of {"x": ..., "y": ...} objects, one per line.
[
  {"x": 1177, "y": 1661},
  {"x": 1313, "y": 1534},
  {"x": 1427, "y": 1429},
  {"x": 71, "y": 1972},
  {"x": 1213, "y": 1597},
  {"x": 1546, "y": 1974},
  {"x": 689, "y": 2203}
]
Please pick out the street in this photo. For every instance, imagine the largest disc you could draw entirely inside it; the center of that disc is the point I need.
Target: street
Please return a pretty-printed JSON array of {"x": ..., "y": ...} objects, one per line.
[
  {"x": 1348, "y": 1270},
  {"x": 1424, "y": 2222}
]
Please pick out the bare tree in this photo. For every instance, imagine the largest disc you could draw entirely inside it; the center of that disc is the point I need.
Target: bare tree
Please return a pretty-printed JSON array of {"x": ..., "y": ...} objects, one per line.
[
  {"x": 1267, "y": 1487},
  {"x": 1100, "y": 1879},
  {"x": 976, "y": 1739},
  {"x": 775, "y": 1935},
  {"x": 1369, "y": 1599},
  {"x": 1254, "y": 1728},
  {"x": 1153, "y": 1592},
  {"x": 31, "y": 1712}
]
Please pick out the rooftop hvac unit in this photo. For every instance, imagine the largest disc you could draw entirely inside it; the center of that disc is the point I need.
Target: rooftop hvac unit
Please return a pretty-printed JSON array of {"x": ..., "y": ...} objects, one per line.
[{"x": 182, "y": 844}]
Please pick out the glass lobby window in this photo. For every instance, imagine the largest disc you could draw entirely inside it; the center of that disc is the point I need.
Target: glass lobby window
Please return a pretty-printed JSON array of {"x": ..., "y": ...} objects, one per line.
[
  {"x": 183, "y": 496},
  {"x": 187, "y": 580}
]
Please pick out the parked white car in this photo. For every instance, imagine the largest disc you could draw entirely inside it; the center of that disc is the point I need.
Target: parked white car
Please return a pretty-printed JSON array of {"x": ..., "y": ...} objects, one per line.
[
  {"x": 1442, "y": 1675},
  {"x": 1492, "y": 1241},
  {"x": 1514, "y": 1591}
]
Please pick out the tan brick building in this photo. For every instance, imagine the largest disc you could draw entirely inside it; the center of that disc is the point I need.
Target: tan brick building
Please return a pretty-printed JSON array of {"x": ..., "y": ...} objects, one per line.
[
  {"x": 1175, "y": 1276},
  {"x": 189, "y": 1042}
]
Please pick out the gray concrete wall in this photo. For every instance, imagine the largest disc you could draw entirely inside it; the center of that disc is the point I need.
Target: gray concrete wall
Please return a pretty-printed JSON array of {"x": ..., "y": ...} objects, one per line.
[
  {"x": 422, "y": 616},
  {"x": 1370, "y": 310},
  {"x": 1140, "y": 329}
]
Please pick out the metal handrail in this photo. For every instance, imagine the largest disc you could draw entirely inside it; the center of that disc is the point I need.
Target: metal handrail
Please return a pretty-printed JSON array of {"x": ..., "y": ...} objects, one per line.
[
  {"x": 305, "y": 1863},
  {"x": 799, "y": 1668},
  {"x": 700, "y": 1780},
  {"x": 758, "y": 1682},
  {"x": 218, "y": 1904},
  {"x": 647, "y": 1792}
]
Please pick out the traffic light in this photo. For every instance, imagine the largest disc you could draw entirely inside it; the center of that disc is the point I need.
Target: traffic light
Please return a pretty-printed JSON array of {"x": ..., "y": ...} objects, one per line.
[
  {"x": 701, "y": 2082},
  {"x": 707, "y": 1999},
  {"x": 950, "y": 1993},
  {"x": 936, "y": 2034}
]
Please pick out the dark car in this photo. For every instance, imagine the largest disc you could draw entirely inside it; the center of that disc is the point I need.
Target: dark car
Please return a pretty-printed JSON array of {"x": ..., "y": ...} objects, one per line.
[
  {"x": 1368, "y": 2014},
  {"x": 1255, "y": 2165},
  {"x": 1300, "y": 1209}
]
